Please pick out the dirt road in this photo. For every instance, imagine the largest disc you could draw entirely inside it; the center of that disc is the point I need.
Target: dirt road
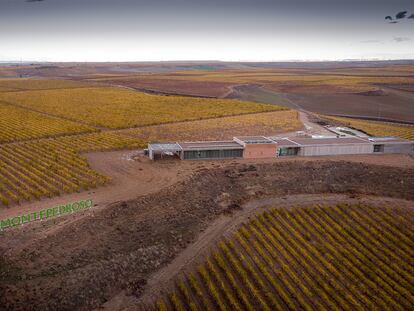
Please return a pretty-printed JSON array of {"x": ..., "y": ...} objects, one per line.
[{"x": 312, "y": 128}]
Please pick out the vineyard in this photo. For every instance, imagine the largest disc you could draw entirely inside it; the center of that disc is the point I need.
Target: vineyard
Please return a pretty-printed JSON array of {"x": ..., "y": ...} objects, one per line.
[
  {"x": 21, "y": 124},
  {"x": 222, "y": 128},
  {"x": 339, "y": 257},
  {"x": 15, "y": 85},
  {"x": 377, "y": 128},
  {"x": 121, "y": 108},
  {"x": 50, "y": 167},
  {"x": 296, "y": 79}
]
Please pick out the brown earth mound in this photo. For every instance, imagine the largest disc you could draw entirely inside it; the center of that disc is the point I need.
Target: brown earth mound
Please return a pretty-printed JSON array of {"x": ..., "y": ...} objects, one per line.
[{"x": 83, "y": 264}]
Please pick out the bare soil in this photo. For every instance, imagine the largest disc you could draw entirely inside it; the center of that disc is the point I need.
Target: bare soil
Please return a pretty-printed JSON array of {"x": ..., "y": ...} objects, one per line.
[
  {"x": 80, "y": 262},
  {"x": 393, "y": 104}
]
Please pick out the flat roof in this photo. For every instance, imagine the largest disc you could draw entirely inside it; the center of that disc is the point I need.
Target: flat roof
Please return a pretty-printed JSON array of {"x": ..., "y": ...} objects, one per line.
[
  {"x": 164, "y": 146},
  {"x": 254, "y": 139},
  {"x": 388, "y": 140},
  {"x": 329, "y": 141},
  {"x": 284, "y": 142},
  {"x": 210, "y": 145}
]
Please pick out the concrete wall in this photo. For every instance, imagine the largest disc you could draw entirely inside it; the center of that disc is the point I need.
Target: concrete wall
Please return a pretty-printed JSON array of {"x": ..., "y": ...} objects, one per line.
[
  {"x": 335, "y": 149},
  {"x": 258, "y": 151},
  {"x": 398, "y": 148}
]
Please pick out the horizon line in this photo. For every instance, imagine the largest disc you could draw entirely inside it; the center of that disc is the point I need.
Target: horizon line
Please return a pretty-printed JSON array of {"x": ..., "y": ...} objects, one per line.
[{"x": 212, "y": 61}]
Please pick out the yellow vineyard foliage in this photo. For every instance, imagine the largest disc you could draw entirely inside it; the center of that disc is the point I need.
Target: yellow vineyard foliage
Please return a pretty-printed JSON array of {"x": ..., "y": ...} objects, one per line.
[
  {"x": 267, "y": 124},
  {"x": 48, "y": 167},
  {"x": 32, "y": 84},
  {"x": 340, "y": 257},
  {"x": 22, "y": 124},
  {"x": 121, "y": 108},
  {"x": 341, "y": 80}
]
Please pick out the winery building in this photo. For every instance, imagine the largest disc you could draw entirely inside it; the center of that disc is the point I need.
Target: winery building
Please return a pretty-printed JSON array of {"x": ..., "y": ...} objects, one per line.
[{"x": 256, "y": 147}]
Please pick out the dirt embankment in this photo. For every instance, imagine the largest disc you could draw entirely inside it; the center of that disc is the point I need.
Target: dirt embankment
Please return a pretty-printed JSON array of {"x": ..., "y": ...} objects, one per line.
[{"x": 83, "y": 264}]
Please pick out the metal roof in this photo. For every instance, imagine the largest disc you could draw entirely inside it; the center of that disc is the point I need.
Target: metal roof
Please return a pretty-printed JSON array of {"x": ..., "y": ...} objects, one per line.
[
  {"x": 284, "y": 142},
  {"x": 164, "y": 147},
  {"x": 254, "y": 139},
  {"x": 209, "y": 145},
  {"x": 328, "y": 141}
]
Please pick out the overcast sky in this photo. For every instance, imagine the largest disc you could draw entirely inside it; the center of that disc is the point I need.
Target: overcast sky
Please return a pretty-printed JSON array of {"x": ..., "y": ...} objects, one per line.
[{"x": 231, "y": 30}]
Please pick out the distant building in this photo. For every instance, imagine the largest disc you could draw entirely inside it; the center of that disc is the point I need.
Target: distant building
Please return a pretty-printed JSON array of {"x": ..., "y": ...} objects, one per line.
[{"x": 256, "y": 147}]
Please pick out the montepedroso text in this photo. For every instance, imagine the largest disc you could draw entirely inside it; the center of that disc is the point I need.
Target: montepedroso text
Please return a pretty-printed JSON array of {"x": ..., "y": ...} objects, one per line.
[{"x": 58, "y": 210}]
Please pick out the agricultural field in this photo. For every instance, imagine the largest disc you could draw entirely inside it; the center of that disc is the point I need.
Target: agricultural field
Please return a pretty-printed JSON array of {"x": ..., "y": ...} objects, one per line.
[
  {"x": 169, "y": 86},
  {"x": 376, "y": 128},
  {"x": 268, "y": 123},
  {"x": 337, "y": 89},
  {"x": 50, "y": 167},
  {"x": 120, "y": 108},
  {"x": 21, "y": 124},
  {"x": 23, "y": 84},
  {"x": 339, "y": 257},
  {"x": 291, "y": 80}
]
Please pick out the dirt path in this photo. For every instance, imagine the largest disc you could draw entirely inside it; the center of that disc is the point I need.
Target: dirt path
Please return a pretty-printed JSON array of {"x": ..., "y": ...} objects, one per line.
[
  {"x": 311, "y": 127},
  {"x": 224, "y": 227}
]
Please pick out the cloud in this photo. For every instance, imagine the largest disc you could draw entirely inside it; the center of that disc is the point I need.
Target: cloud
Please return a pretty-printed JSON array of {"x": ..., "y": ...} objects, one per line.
[{"x": 401, "y": 39}]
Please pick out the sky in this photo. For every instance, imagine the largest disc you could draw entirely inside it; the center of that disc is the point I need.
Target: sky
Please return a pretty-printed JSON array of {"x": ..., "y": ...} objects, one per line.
[{"x": 227, "y": 30}]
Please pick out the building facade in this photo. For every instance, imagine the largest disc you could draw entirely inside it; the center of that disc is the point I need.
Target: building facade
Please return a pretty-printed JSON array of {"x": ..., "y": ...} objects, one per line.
[{"x": 257, "y": 147}]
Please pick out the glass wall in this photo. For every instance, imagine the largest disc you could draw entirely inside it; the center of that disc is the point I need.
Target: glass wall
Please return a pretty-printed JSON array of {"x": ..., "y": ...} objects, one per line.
[
  {"x": 288, "y": 151},
  {"x": 213, "y": 154}
]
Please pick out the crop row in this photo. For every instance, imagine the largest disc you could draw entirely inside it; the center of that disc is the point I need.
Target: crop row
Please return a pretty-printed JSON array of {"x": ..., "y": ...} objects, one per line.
[
  {"x": 49, "y": 167},
  {"x": 339, "y": 257},
  {"x": 21, "y": 124},
  {"x": 120, "y": 108},
  {"x": 268, "y": 123}
]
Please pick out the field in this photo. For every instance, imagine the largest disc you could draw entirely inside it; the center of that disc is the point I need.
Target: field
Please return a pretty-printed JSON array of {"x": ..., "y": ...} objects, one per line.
[
  {"x": 50, "y": 167},
  {"x": 384, "y": 91},
  {"x": 18, "y": 124},
  {"x": 375, "y": 128},
  {"x": 283, "y": 80},
  {"x": 269, "y": 123},
  {"x": 171, "y": 86},
  {"x": 24, "y": 84},
  {"x": 337, "y": 257},
  {"x": 120, "y": 108}
]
